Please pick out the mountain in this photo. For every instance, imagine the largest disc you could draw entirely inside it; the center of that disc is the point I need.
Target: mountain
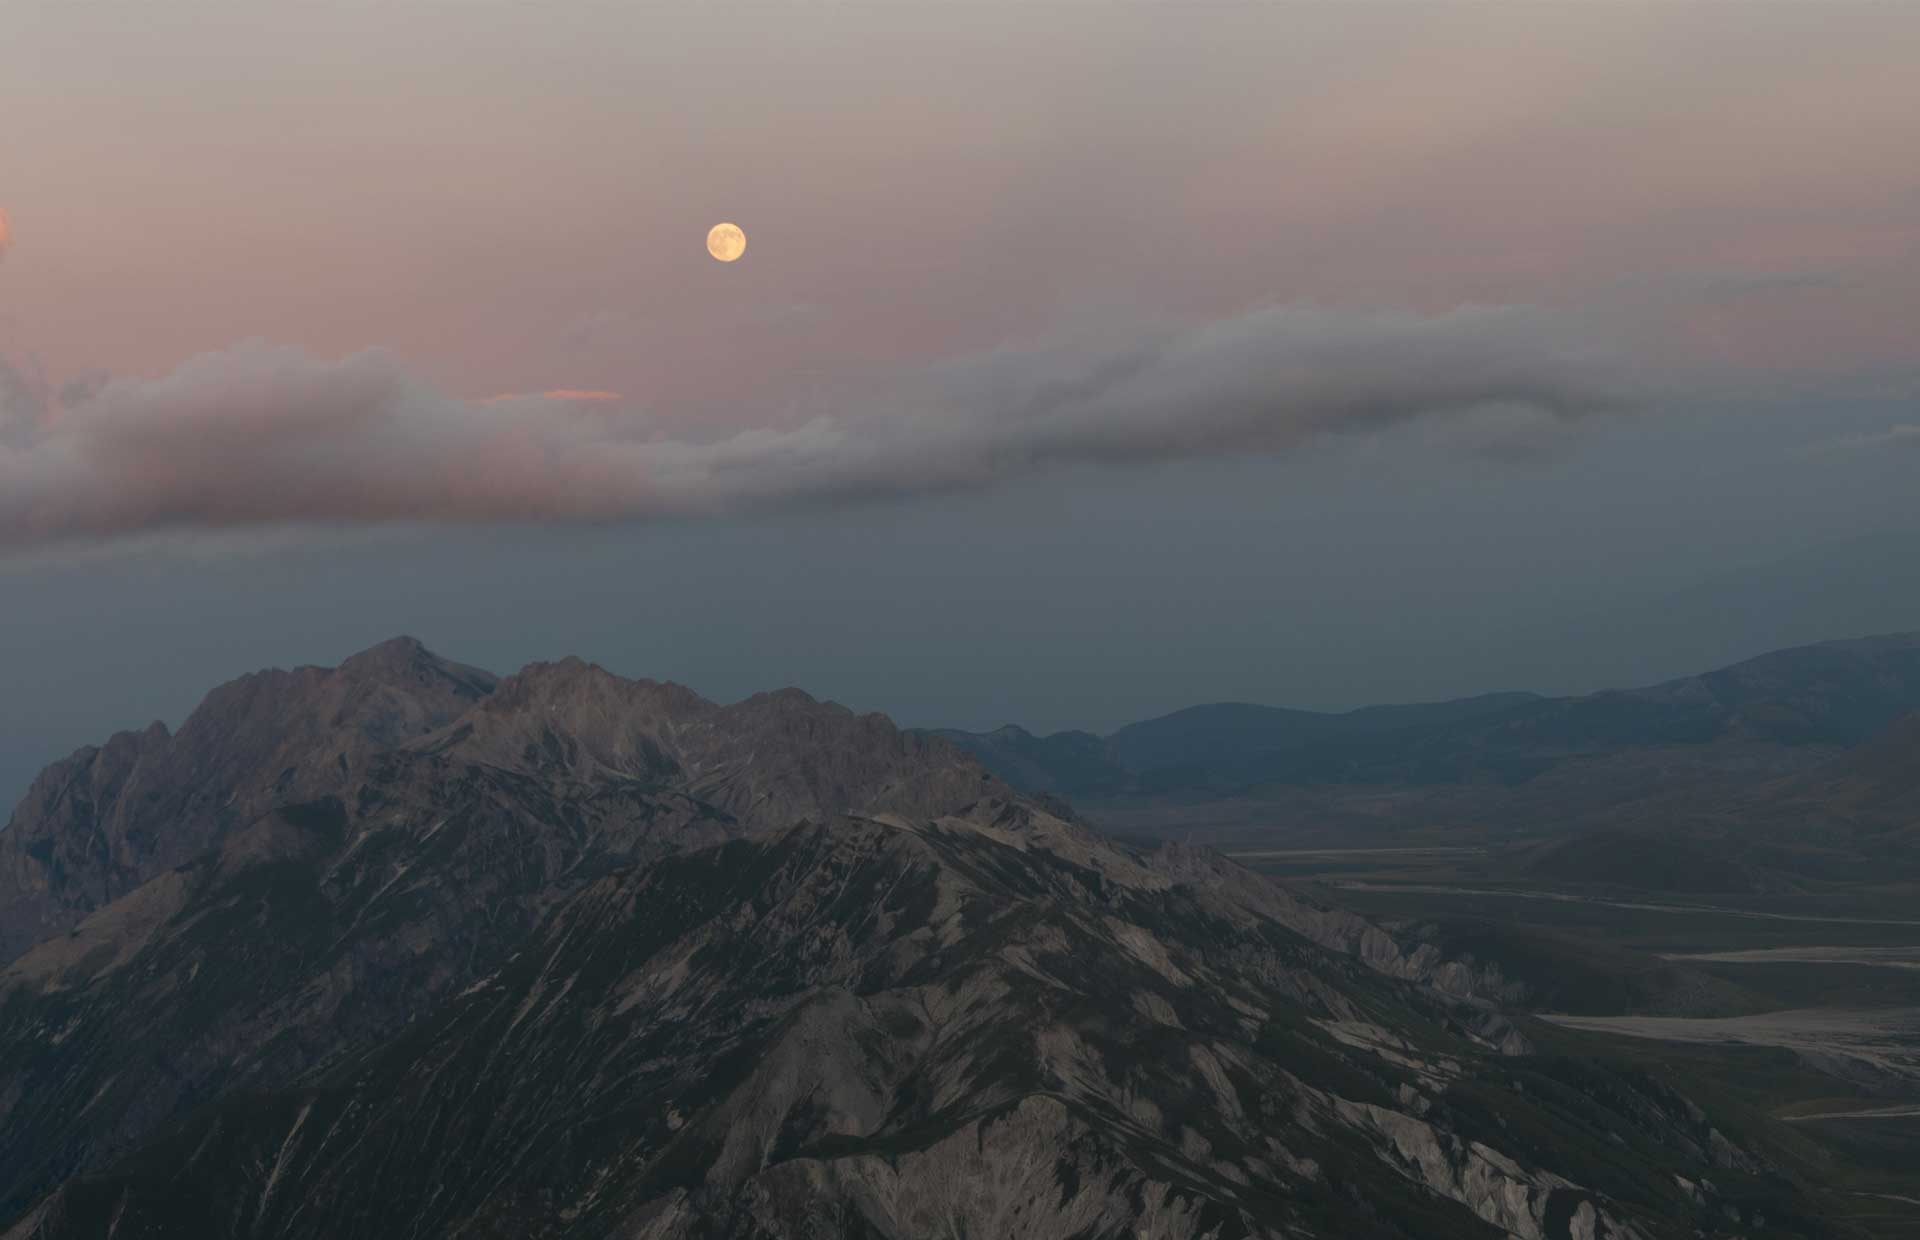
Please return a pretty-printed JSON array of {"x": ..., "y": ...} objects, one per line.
[
  {"x": 1068, "y": 763},
  {"x": 100, "y": 823},
  {"x": 1880, "y": 779},
  {"x": 595, "y": 957},
  {"x": 1832, "y": 695},
  {"x": 1213, "y": 746},
  {"x": 1853, "y": 817},
  {"x": 97, "y": 825},
  {"x": 316, "y": 866}
]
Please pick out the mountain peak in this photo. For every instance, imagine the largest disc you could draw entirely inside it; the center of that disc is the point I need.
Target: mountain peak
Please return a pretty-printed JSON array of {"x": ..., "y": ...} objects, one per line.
[
  {"x": 768, "y": 760},
  {"x": 394, "y": 652},
  {"x": 110, "y": 817},
  {"x": 407, "y": 660}
]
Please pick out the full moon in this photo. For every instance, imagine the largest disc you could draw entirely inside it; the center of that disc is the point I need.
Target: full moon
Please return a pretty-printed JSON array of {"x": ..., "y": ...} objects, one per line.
[{"x": 726, "y": 242}]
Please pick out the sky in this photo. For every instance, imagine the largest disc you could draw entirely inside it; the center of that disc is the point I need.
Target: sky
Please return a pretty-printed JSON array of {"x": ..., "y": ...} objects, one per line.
[{"x": 1086, "y": 360}]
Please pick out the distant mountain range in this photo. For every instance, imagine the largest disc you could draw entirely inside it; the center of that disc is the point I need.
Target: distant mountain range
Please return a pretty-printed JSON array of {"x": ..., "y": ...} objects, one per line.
[
  {"x": 401, "y": 949},
  {"x": 1834, "y": 695}
]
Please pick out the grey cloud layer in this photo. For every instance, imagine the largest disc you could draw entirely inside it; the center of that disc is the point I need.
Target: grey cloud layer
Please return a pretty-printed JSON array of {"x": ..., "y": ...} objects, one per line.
[{"x": 262, "y": 435}]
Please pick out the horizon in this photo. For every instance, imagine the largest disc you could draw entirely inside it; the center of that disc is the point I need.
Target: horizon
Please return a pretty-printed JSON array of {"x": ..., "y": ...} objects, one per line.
[
  {"x": 1303, "y": 355},
  {"x": 9, "y": 799}
]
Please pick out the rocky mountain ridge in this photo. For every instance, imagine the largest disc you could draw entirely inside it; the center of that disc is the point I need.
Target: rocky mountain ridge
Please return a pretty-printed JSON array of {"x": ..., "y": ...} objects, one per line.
[
  {"x": 103, "y": 821},
  {"x": 991, "y": 1022},
  {"x": 571, "y": 955}
]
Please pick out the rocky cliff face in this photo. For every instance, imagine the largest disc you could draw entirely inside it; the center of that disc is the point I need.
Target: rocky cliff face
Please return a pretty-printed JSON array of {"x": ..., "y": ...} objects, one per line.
[
  {"x": 105, "y": 820},
  {"x": 592, "y": 957},
  {"x": 349, "y": 846},
  {"x": 100, "y": 823},
  {"x": 768, "y": 761}
]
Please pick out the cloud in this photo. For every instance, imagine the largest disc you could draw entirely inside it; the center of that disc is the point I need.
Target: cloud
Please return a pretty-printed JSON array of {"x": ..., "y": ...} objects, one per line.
[
  {"x": 589, "y": 395},
  {"x": 1688, "y": 285},
  {"x": 264, "y": 435},
  {"x": 6, "y": 234},
  {"x": 1900, "y": 433}
]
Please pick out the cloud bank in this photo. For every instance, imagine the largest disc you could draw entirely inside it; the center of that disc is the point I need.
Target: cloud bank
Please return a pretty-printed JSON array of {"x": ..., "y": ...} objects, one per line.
[
  {"x": 1900, "y": 435},
  {"x": 261, "y": 435}
]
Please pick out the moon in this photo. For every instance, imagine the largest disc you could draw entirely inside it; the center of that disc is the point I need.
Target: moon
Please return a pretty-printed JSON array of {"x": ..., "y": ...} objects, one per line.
[{"x": 726, "y": 242}]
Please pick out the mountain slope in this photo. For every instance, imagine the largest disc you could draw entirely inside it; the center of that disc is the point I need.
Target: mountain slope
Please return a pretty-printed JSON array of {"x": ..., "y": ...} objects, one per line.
[
  {"x": 105, "y": 820},
  {"x": 321, "y": 925},
  {"x": 1068, "y": 763},
  {"x": 1854, "y": 818},
  {"x": 1234, "y": 732},
  {"x": 595, "y": 957},
  {"x": 1832, "y": 695},
  {"x": 991, "y": 1023},
  {"x": 1879, "y": 779}
]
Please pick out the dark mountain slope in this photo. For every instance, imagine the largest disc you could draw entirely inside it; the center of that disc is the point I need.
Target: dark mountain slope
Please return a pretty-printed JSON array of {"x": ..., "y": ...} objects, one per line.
[
  {"x": 1235, "y": 732},
  {"x": 1642, "y": 861},
  {"x": 1067, "y": 763},
  {"x": 1218, "y": 746},
  {"x": 1832, "y": 695},
  {"x": 320, "y": 926},
  {"x": 1879, "y": 780},
  {"x": 989, "y": 1024},
  {"x": 1852, "y": 818}
]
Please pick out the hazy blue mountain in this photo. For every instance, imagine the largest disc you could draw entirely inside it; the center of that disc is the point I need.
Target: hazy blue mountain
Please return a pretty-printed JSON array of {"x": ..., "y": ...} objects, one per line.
[{"x": 1835, "y": 694}]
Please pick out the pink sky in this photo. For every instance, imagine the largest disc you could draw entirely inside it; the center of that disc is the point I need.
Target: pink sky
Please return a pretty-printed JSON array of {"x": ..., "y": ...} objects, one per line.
[{"x": 512, "y": 199}]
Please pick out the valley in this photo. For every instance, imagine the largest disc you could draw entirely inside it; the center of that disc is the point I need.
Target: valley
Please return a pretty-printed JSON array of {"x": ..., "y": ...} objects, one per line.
[
  {"x": 1804, "y": 1003},
  {"x": 1712, "y": 880}
]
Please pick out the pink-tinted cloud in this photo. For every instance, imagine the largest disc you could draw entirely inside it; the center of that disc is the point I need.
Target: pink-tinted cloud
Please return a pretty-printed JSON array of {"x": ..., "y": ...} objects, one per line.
[
  {"x": 6, "y": 233},
  {"x": 590, "y": 396},
  {"x": 264, "y": 435}
]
